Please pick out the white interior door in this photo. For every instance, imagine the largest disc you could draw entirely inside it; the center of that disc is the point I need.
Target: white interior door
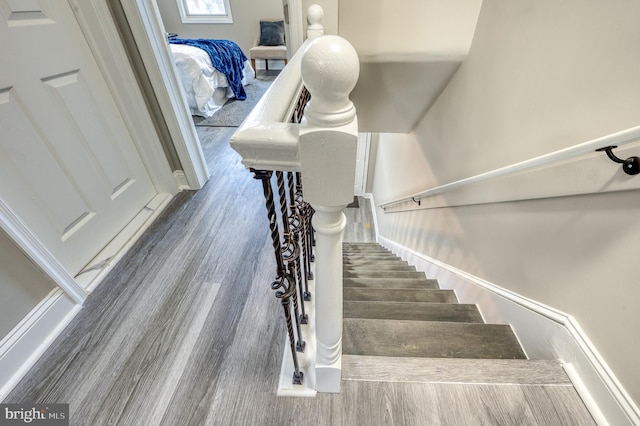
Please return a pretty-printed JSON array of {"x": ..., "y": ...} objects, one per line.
[{"x": 68, "y": 166}]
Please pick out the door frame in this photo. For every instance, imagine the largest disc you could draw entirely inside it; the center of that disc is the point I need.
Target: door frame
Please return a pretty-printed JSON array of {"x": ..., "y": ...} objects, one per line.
[
  {"x": 100, "y": 31},
  {"x": 148, "y": 31}
]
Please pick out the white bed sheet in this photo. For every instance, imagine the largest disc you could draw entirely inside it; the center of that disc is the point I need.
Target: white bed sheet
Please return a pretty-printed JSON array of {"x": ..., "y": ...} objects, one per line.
[{"x": 206, "y": 88}]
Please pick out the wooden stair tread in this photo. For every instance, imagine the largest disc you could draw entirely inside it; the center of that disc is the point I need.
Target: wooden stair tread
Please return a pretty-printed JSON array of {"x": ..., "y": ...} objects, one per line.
[
  {"x": 353, "y": 263},
  {"x": 377, "y": 258},
  {"x": 346, "y": 250},
  {"x": 429, "y": 339},
  {"x": 378, "y": 266},
  {"x": 399, "y": 295},
  {"x": 383, "y": 274},
  {"x": 416, "y": 311},
  {"x": 398, "y": 283},
  {"x": 453, "y": 370},
  {"x": 363, "y": 247}
]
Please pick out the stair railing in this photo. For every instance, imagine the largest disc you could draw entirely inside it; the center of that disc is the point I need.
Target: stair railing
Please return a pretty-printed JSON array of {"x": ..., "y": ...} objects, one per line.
[{"x": 314, "y": 144}]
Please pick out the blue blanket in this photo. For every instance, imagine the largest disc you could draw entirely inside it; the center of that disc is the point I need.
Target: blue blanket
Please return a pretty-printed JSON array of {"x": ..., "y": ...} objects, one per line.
[{"x": 226, "y": 56}]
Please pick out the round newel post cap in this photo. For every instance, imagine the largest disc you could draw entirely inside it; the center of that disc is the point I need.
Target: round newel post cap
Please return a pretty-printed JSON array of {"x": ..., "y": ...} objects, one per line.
[
  {"x": 315, "y": 14},
  {"x": 330, "y": 68}
]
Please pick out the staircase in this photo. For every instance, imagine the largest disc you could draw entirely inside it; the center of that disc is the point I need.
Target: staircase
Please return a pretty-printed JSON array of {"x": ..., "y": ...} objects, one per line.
[{"x": 400, "y": 326}]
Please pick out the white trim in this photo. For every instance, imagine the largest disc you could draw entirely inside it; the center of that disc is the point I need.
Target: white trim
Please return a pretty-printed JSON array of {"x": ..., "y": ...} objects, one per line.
[
  {"x": 544, "y": 332},
  {"x": 148, "y": 31},
  {"x": 590, "y": 172},
  {"x": 24, "y": 345},
  {"x": 96, "y": 270},
  {"x": 189, "y": 18},
  {"x": 181, "y": 180},
  {"x": 100, "y": 31},
  {"x": 29, "y": 243},
  {"x": 362, "y": 158}
]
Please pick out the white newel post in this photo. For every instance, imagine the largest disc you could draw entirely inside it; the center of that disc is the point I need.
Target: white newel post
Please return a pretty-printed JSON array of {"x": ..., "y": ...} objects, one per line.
[{"x": 327, "y": 141}]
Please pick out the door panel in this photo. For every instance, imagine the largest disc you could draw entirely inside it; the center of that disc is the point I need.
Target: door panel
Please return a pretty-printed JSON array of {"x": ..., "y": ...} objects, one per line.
[{"x": 68, "y": 166}]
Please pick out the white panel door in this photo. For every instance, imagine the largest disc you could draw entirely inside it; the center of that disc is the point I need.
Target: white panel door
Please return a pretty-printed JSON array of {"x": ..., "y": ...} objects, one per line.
[{"x": 68, "y": 166}]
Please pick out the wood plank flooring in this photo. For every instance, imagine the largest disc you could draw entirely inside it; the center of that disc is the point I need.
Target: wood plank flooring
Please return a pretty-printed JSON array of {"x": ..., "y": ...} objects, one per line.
[{"x": 186, "y": 331}]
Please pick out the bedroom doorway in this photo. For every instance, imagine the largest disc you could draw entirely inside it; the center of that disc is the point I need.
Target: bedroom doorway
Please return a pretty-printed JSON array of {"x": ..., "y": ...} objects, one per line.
[
  {"x": 151, "y": 58},
  {"x": 145, "y": 23}
]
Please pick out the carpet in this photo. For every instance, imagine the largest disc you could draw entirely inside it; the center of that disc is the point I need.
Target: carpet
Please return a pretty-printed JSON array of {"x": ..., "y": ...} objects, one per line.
[{"x": 233, "y": 112}]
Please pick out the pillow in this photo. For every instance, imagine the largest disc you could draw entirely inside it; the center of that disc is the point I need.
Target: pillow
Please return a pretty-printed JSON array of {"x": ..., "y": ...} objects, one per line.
[{"x": 271, "y": 33}]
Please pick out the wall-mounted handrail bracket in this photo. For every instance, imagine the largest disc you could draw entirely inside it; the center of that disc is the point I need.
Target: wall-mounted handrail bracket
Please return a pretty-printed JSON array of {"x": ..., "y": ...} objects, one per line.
[{"x": 630, "y": 166}]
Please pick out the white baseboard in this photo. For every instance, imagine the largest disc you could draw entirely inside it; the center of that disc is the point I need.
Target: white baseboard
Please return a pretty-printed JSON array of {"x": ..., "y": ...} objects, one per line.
[
  {"x": 24, "y": 345},
  {"x": 92, "y": 274},
  {"x": 544, "y": 332},
  {"x": 181, "y": 180}
]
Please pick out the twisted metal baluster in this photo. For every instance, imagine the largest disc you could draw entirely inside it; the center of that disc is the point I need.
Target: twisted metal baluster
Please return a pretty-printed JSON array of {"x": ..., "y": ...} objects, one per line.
[
  {"x": 295, "y": 225},
  {"x": 291, "y": 253},
  {"x": 302, "y": 208},
  {"x": 298, "y": 207},
  {"x": 305, "y": 209},
  {"x": 308, "y": 215},
  {"x": 284, "y": 279}
]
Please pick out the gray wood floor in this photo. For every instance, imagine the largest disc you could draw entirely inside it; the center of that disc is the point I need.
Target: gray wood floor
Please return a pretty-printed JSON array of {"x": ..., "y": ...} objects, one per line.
[{"x": 186, "y": 331}]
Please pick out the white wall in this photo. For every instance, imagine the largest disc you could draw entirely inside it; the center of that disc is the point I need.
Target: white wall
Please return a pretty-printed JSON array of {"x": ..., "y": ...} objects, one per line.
[
  {"x": 408, "y": 50},
  {"x": 22, "y": 285},
  {"x": 406, "y": 29},
  {"x": 541, "y": 75},
  {"x": 243, "y": 31}
]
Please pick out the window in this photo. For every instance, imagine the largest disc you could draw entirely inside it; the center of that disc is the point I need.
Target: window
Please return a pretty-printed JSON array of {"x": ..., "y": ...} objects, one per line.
[{"x": 205, "y": 11}]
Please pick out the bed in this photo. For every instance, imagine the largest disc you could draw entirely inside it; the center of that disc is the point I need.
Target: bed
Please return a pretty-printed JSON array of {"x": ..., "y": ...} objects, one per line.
[{"x": 208, "y": 87}]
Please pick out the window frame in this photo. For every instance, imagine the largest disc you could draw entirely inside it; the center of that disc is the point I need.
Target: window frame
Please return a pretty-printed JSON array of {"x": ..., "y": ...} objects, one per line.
[{"x": 188, "y": 18}]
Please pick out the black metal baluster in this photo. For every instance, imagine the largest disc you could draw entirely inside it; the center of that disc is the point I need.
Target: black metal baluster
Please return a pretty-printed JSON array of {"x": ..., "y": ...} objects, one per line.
[
  {"x": 311, "y": 240},
  {"x": 290, "y": 253},
  {"x": 284, "y": 282},
  {"x": 308, "y": 231},
  {"x": 301, "y": 211},
  {"x": 295, "y": 226},
  {"x": 304, "y": 208}
]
